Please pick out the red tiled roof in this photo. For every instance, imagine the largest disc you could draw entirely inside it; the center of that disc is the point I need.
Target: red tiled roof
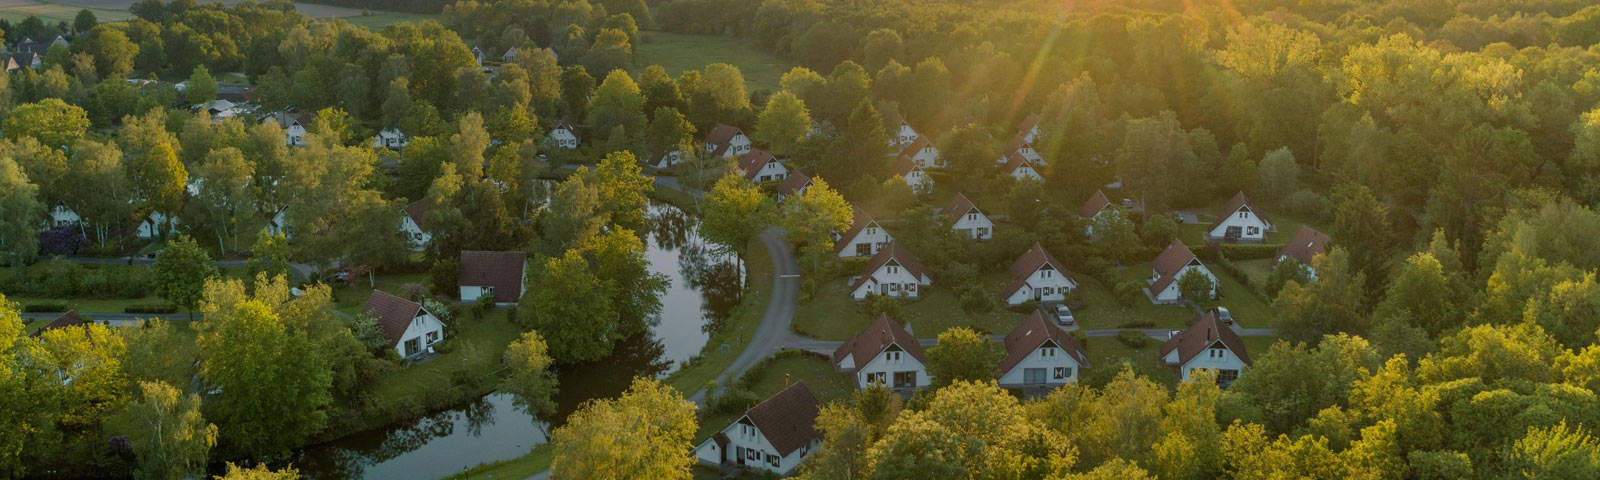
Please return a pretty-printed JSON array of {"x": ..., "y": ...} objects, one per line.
[
  {"x": 904, "y": 165},
  {"x": 1015, "y": 144},
  {"x": 1031, "y": 261},
  {"x": 859, "y": 222},
  {"x": 1032, "y": 120},
  {"x": 394, "y": 314},
  {"x": 1094, "y": 205},
  {"x": 792, "y": 183},
  {"x": 959, "y": 206},
  {"x": 501, "y": 270},
  {"x": 892, "y": 251},
  {"x": 788, "y": 419},
  {"x": 1014, "y": 161},
  {"x": 1031, "y": 334},
  {"x": 1305, "y": 245},
  {"x": 418, "y": 211},
  {"x": 1202, "y": 335},
  {"x": 721, "y": 136},
  {"x": 868, "y": 343},
  {"x": 753, "y": 161},
  {"x": 1169, "y": 264},
  {"x": 917, "y": 146},
  {"x": 69, "y": 319},
  {"x": 1234, "y": 204}
]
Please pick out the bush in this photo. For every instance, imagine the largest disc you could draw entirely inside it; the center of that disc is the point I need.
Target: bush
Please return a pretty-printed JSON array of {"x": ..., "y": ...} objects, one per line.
[
  {"x": 734, "y": 400},
  {"x": 1307, "y": 204},
  {"x": 151, "y": 308},
  {"x": 1129, "y": 292},
  {"x": 44, "y": 307},
  {"x": 1249, "y": 251},
  {"x": 1133, "y": 338},
  {"x": 975, "y": 300},
  {"x": 444, "y": 276},
  {"x": 1081, "y": 338}
]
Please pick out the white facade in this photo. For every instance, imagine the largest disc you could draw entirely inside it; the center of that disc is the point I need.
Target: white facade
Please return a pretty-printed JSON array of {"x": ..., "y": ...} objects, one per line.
[
  {"x": 419, "y": 239},
  {"x": 1026, "y": 171},
  {"x": 866, "y": 242},
  {"x": 1043, "y": 285},
  {"x": 892, "y": 280},
  {"x": 470, "y": 293},
  {"x": 975, "y": 225},
  {"x": 1216, "y": 357},
  {"x": 61, "y": 216},
  {"x": 564, "y": 137},
  {"x": 1048, "y": 365},
  {"x": 1170, "y": 294},
  {"x": 391, "y": 139},
  {"x": 667, "y": 160},
  {"x": 771, "y": 171},
  {"x": 738, "y": 145},
  {"x": 424, "y": 331},
  {"x": 903, "y": 136},
  {"x": 1241, "y": 226},
  {"x": 918, "y": 180},
  {"x": 893, "y": 367},
  {"x": 927, "y": 156},
  {"x": 749, "y": 447}
]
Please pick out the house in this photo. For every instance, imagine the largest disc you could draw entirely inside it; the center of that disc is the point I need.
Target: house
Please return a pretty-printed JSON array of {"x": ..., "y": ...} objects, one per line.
[
  {"x": 665, "y": 160},
  {"x": 761, "y": 167},
  {"x": 150, "y": 227},
  {"x": 390, "y": 138},
  {"x": 408, "y": 327},
  {"x": 795, "y": 184},
  {"x": 69, "y": 319},
  {"x": 1020, "y": 147},
  {"x": 902, "y": 135},
  {"x": 501, "y": 275},
  {"x": 509, "y": 56},
  {"x": 914, "y": 175},
  {"x": 293, "y": 124},
  {"x": 1091, "y": 210},
  {"x": 727, "y": 141},
  {"x": 414, "y": 224},
  {"x": 864, "y": 238},
  {"x": 884, "y": 354},
  {"x": 1037, "y": 276},
  {"x": 564, "y": 136},
  {"x": 968, "y": 219},
  {"x": 893, "y": 272},
  {"x": 1239, "y": 222},
  {"x": 923, "y": 153},
  {"x": 1206, "y": 344},
  {"x": 1173, "y": 263},
  {"x": 1306, "y": 244},
  {"x": 774, "y": 435},
  {"x": 1029, "y": 129},
  {"x": 61, "y": 216},
  {"x": 1019, "y": 167},
  {"x": 1040, "y": 356},
  {"x": 477, "y": 55}
]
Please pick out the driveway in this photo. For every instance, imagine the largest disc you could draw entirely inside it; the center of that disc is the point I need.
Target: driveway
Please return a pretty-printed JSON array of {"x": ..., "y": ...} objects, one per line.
[{"x": 773, "y": 334}]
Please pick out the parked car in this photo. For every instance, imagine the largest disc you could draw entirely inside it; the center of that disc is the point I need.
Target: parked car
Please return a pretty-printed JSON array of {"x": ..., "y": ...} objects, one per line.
[
  {"x": 1064, "y": 315},
  {"x": 1223, "y": 316}
]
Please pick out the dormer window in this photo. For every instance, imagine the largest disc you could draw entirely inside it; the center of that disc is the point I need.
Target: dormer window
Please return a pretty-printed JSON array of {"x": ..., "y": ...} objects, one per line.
[
  {"x": 1244, "y": 214},
  {"x": 1047, "y": 352},
  {"x": 893, "y": 270}
]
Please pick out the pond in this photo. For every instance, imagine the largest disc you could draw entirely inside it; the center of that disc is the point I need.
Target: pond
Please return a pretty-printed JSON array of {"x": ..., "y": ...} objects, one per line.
[{"x": 704, "y": 286}]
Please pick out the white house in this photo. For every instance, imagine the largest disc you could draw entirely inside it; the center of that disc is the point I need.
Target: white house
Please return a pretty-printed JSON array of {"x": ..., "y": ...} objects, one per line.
[
  {"x": 61, "y": 216},
  {"x": 1091, "y": 211},
  {"x": 1306, "y": 244},
  {"x": 477, "y": 55},
  {"x": 501, "y": 275},
  {"x": 893, "y": 272},
  {"x": 666, "y": 160},
  {"x": 414, "y": 224},
  {"x": 923, "y": 153},
  {"x": 1040, "y": 356},
  {"x": 761, "y": 167},
  {"x": 1239, "y": 222},
  {"x": 1029, "y": 130},
  {"x": 913, "y": 174},
  {"x": 411, "y": 329},
  {"x": 294, "y": 127},
  {"x": 968, "y": 219},
  {"x": 1017, "y": 145},
  {"x": 727, "y": 141},
  {"x": 902, "y": 135},
  {"x": 774, "y": 435},
  {"x": 1173, "y": 263},
  {"x": 509, "y": 56},
  {"x": 1206, "y": 344},
  {"x": 794, "y": 184},
  {"x": 864, "y": 238},
  {"x": 1019, "y": 167},
  {"x": 564, "y": 136},
  {"x": 884, "y": 354},
  {"x": 1037, "y": 276},
  {"x": 390, "y": 138}
]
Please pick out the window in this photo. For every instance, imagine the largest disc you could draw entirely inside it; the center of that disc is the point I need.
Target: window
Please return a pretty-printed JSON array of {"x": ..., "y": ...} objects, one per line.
[
  {"x": 906, "y": 379},
  {"x": 488, "y": 290},
  {"x": 1045, "y": 273},
  {"x": 1254, "y": 230},
  {"x": 752, "y": 454},
  {"x": 894, "y": 270},
  {"x": 433, "y": 337},
  {"x": 863, "y": 249},
  {"x": 412, "y": 346},
  {"x": 894, "y": 357},
  {"x": 1217, "y": 352},
  {"x": 876, "y": 378},
  {"x": 1061, "y": 373},
  {"x": 972, "y": 216},
  {"x": 1047, "y": 352},
  {"x": 1033, "y": 375},
  {"x": 1226, "y": 377},
  {"x": 772, "y": 460},
  {"x": 1244, "y": 214}
]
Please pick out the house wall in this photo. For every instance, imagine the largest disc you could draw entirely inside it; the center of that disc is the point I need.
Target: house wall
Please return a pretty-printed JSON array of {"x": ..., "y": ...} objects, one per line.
[
  {"x": 1057, "y": 282},
  {"x": 1171, "y": 293},
  {"x": 418, "y": 238},
  {"x": 61, "y": 215},
  {"x": 738, "y": 145},
  {"x": 419, "y": 328},
  {"x": 564, "y": 138},
  {"x": 1311, "y": 273},
  {"x": 971, "y": 226},
  {"x": 881, "y": 364},
  {"x": 295, "y": 135},
  {"x": 927, "y": 157},
  {"x": 710, "y": 452},
  {"x": 918, "y": 181},
  {"x": 872, "y": 235},
  {"x": 470, "y": 293},
  {"x": 772, "y": 172},
  {"x": 1228, "y": 361},
  {"x": 1245, "y": 220},
  {"x": 1026, "y": 172},
  {"x": 903, "y": 136},
  {"x": 910, "y": 284},
  {"x": 1016, "y": 376}
]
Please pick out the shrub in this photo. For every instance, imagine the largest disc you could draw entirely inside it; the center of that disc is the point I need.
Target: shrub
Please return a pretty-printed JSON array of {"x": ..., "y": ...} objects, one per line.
[
  {"x": 444, "y": 275},
  {"x": 1307, "y": 204},
  {"x": 1129, "y": 292},
  {"x": 1083, "y": 340},
  {"x": 734, "y": 400},
  {"x": 1249, "y": 251},
  {"x": 1133, "y": 338},
  {"x": 876, "y": 305},
  {"x": 44, "y": 307},
  {"x": 151, "y": 308},
  {"x": 975, "y": 300}
]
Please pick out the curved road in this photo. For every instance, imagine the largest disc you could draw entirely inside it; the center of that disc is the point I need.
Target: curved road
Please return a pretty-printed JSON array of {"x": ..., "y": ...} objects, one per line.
[{"x": 773, "y": 334}]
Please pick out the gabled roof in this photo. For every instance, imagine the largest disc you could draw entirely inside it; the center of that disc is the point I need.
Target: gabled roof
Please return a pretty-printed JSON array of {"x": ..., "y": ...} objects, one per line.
[
  {"x": 959, "y": 206},
  {"x": 1015, "y": 144},
  {"x": 1031, "y": 261},
  {"x": 788, "y": 419},
  {"x": 69, "y": 319},
  {"x": 501, "y": 270},
  {"x": 1031, "y": 334},
  {"x": 792, "y": 183},
  {"x": 418, "y": 211},
  {"x": 916, "y": 146},
  {"x": 1015, "y": 160},
  {"x": 1170, "y": 263},
  {"x": 565, "y": 126},
  {"x": 753, "y": 161},
  {"x": 1094, "y": 205},
  {"x": 1234, "y": 204},
  {"x": 1028, "y": 122},
  {"x": 722, "y": 136},
  {"x": 1305, "y": 245},
  {"x": 1200, "y": 336},
  {"x": 868, "y": 343},
  {"x": 904, "y": 165},
  {"x": 860, "y": 221},
  {"x": 899, "y": 255},
  {"x": 394, "y": 314}
]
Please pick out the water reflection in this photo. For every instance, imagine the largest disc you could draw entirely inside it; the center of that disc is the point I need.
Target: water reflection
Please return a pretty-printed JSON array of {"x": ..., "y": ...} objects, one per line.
[{"x": 437, "y": 445}]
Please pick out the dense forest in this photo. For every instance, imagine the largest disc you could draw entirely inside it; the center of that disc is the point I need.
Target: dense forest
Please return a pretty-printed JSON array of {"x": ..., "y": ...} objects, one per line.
[{"x": 1451, "y": 150}]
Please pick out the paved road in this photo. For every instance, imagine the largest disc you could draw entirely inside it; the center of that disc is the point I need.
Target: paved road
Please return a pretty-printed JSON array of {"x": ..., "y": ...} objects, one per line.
[
  {"x": 773, "y": 334},
  {"x": 826, "y": 347}
]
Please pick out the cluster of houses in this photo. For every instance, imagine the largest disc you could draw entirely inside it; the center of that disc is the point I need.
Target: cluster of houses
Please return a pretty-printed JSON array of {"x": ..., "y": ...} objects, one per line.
[
  {"x": 29, "y": 53},
  {"x": 412, "y": 330}
]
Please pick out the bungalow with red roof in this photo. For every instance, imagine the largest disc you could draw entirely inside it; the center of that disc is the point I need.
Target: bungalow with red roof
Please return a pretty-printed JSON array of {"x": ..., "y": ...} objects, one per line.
[
  {"x": 1173, "y": 263},
  {"x": 501, "y": 275},
  {"x": 1017, "y": 145},
  {"x": 414, "y": 224},
  {"x": 66, "y": 320},
  {"x": 1019, "y": 167},
  {"x": 884, "y": 354},
  {"x": 923, "y": 153},
  {"x": 794, "y": 184},
  {"x": 1091, "y": 210},
  {"x": 1304, "y": 246},
  {"x": 774, "y": 435},
  {"x": 901, "y": 134},
  {"x": 761, "y": 167},
  {"x": 1206, "y": 344},
  {"x": 864, "y": 238},
  {"x": 965, "y": 217},
  {"x": 893, "y": 272},
  {"x": 1038, "y": 277},
  {"x": 405, "y": 325},
  {"x": 913, "y": 174},
  {"x": 1239, "y": 222},
  {"x": 1029, "y": 129},
  {"x": 727, "y": 141},
  {"x": 1040, "y": 354}
]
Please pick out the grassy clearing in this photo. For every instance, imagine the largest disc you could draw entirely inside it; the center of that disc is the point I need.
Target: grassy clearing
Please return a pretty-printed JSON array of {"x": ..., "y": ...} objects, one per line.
[
  {"x": 93, "y": 305},
  {"x": 1107, "y": 355},
  {"x": 1247, "y": 306},
  {"x": 1101, "y": 310},
  {"x": 831, "y": 314},
  {"x": 351, "y": 297},
  {"x": 768, "y": 377},
  {"x": 474, "y": 342},
  {"x": 537, "y": 460},
  {"x": 378, "y": 20},
  {"x": 1258, "y": 270},
  {"x": 51, "y": 13},
  {"x": 678, "y": 53}
]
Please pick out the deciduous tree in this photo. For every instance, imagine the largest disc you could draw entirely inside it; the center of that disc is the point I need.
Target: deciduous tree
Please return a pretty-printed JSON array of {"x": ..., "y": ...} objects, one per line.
[
  {"x": 170, "y": 438},
  {"x": 644, "y": 433}
]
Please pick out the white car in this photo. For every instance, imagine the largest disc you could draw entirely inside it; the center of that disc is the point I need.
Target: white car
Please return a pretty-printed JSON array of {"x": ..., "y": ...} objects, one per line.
[{"x": 1064, "y": 315}]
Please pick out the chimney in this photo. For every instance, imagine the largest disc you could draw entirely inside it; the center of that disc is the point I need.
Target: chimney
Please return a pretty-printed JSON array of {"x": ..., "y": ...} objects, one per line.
[{"x": 785, "y": 379}]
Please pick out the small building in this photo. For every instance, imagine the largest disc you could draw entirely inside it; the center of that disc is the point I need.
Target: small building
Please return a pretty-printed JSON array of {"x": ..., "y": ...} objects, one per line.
[
  {"x": 1017, "y": 145},
  {"x": 923, "y": 153},
  {"x": 793, "y": 185},
  {"x": 1038, "y": 277},
  {"x": 864, "y": 238},
  {"x": 62, "y": 216},
  {"x": 1239, "y": 222},
  {"x": 1173, "y": 263},
  {"x": 66, "y": 320},
  {"x": 1091, "y": 210},
  {"x": 414, "y": 224},
  {"x": 1029, "y": 129},
  {"x": 884, "y": 354},
  {"x": 893, "y": 272},
  {"x": 477, "y": 55},
  {"x": 509, "y": 56},
  {"x": 1306, "y": 244},
  {"x": 501, "y": 275},
  {"x": 665, "y": 160},
  {"x": 391, "y": 138},
  {"x": 1040, "y": 356},
  {"x": 564, "y": 136},
  {"x": 1019, "y": 167},
  {"x": 774, "y": 435},
  {"x": 293, "y": 124},
  {"x": 913, "y": 174},
  {"x": 1206, "y": 344},
  {"x": 968, "y": 219},
  {"x": 407, "y": 327},
  {"x": 727, "y": 141},
  {"x": 902, "y": 135},
  {"x": 761, "y": 167}
]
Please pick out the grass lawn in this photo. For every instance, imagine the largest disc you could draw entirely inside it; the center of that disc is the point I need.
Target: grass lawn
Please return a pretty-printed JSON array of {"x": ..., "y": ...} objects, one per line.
[
  {"x": 1248, "y": 307},
  {"x": 377, "y": 20},
  {"x": 1258, "y": 270},
  {"x": 1100, "y": 309},
  {"x": 678, "y": 52},
  {"x": 832, "y": 314},
  {"x": 16, "y": 11},
  {"x": 525, "y": 466},
  {"x": 767, "y": 379},
  {"x": 475, "y": 342},
  {"x": 735, "y": 332},
  {"x": 350, "y": 298},
  {"x": 93, "y": 305},
  {"x": 1107, "y": 355}
]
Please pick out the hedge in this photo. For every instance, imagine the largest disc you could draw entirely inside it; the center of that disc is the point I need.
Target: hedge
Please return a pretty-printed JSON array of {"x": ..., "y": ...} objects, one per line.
[
  {"x": 1249, "y": 251},
  {"x": 47, "y": 307},
  {"x": 151, "y": 308},
  {"x": 1133, "y": 338}
]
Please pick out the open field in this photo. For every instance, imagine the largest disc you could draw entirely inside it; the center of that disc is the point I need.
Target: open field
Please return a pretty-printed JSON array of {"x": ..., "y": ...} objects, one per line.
[
  {"x": 1107, "y": 355},
  {"x": 678, "y": 52},
  {"x": 117, "y": 10},
  {"x": 17, "y": 10}
]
